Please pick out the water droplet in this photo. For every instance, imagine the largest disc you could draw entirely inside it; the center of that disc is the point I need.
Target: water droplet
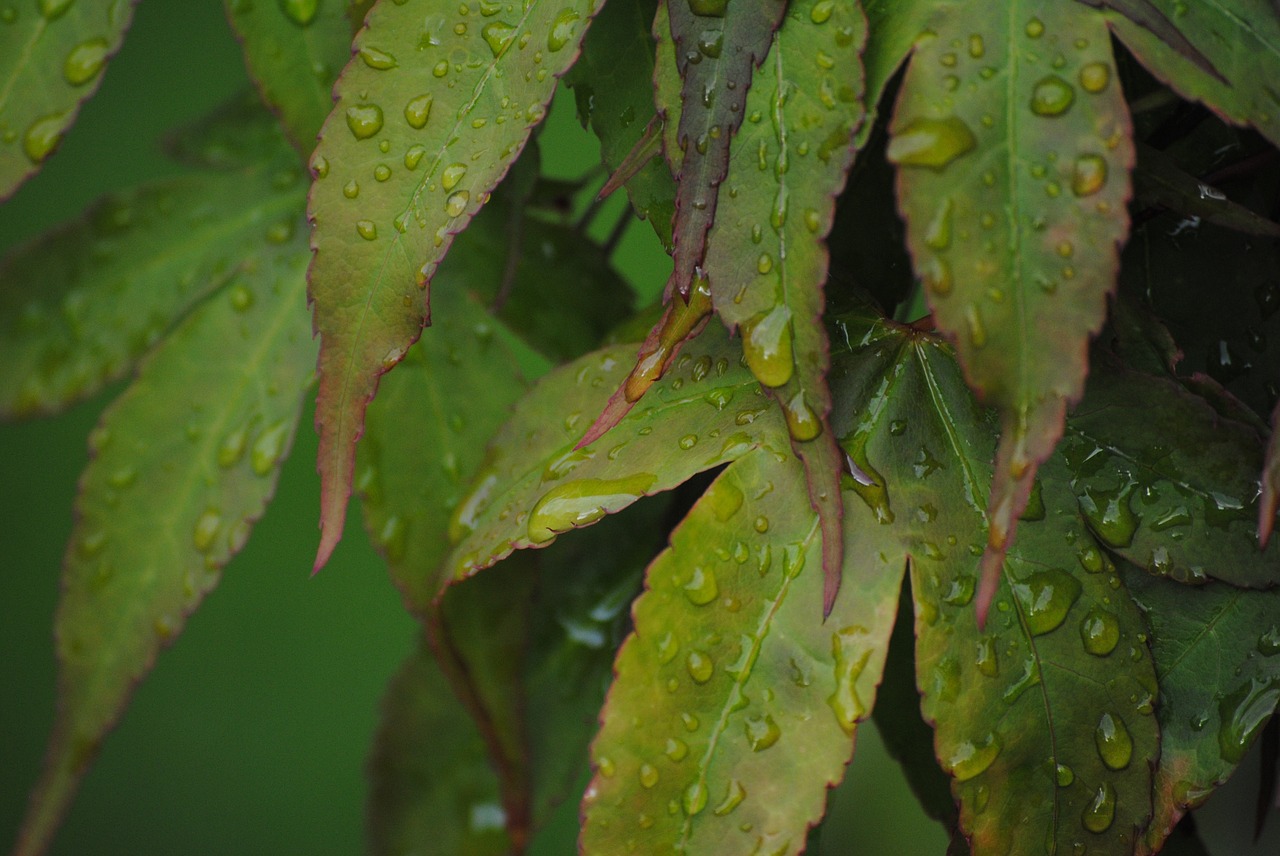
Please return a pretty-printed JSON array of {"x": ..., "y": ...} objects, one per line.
[
  {"x": 1094, "y": 77},
  {"x": 43, "y": 136},
  {"x": 1109, "y": 515},
  {"x": 364, "y": 120},
  {"x": 977, "y": 329},
  {"x": 970, "y": 759},
  {"x": 676, "y": 749},
  {"x": 366, "y": 229},
  {"x": 932, "y": 143},
  {"x": 581, "y": 503},
  {"x": 498, "y": 35},
  {"x": 1101, "y": 810},
  {"x": 709, "y": 8},
  {"x": 688, "y": 441},
  {"x": 351, "y": 189},
  {"x": 699, "y": 666},
  {"x": 803, "y": 424},
  {"x": 762, "y": 732},
  {"x": 417, "y": 111},
  {"x": 232, "y": 448},
  {"x": 851, "y": 651},
  {"x": 562, "y": 29},
  {"x": 85, "y": 61},
  {"x": 937, "y": 235},
  {"x": 701, "y": 588},
  {"x": 1064, "y": 775},
  {"x": 1052, "y": 96},
  {"x": 457, "y": 203},
  {"x": 733, "y": 796},
  {"x": 1035, "y": 28},
  {"x": 977, "y": 49},
  {"x": 1115, "y": 746},
  {"x": 1089, "y": 175},
  {"x": 694, "y": 798},
  {"x": 864, "y": 479},
  {"x": 1046, "y": 597},
  {"x": 1269, "y": 642},
  {"x": 206, "y": 530},
  {"x": 54, "y": 9},
  {"x": 1100, "y": 632},
  {"x": 301, "y": 12},
  {"x": 766, "y": 343},
  {"x": 451, "y": 175},
  {"x": 987, "y": 659},
  {"x": 764, "y": 264},
  {"x": 376, "y": 59},
  {"x": 268, "y": 448},
  {"x": 648, "y": 775},
  {"x": 1243, "y": 713}
]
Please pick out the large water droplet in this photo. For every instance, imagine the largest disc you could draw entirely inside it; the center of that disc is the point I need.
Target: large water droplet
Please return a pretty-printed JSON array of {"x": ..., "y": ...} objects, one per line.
[
  {"x": 562, "y": 29},
  {"x": 85, "y": 61},
  {"x": 700, "y": 666},
  {"x": 1244, "y": 711},
  {"x": 701, "y": 589},
  {"x": 301, "y": 12},
  {"x": 417, "y": 111},
  {"x": 694, "y": 798},
  {"x": 580, "y": 503},
  {"x": 1052, "y": 96},
  {"x": 932, "y": 143},
  {"x": 1094, "y": 77},
  {"x": 766, "y": 343},
  {"x": 851, "y": 651},
  {"x": 364, "y": 120},
  {"x": 231, "y": 450},
  {"x": 1100, "y": 632},
  {"x": 803, "y": 423},
  {"x": 762, "y": 732},
  {"x": 1089, "y": 175},
  {"x": 864, "y": 479},
  {"x": 498, "y": 35},
  {"x": 1109, "y": 515},
  {"x": 457, "y": 203},
  {"x": 376, "y": 59},
  {"x": 1101, "y": 810},
  {"x": 1115, "y": 746},
  {"x": 972, "y": 758},
  {"x": 1046, "y": 597},
  {"x": 451, "y": 175},
  {"x": 367, "y": 229}
]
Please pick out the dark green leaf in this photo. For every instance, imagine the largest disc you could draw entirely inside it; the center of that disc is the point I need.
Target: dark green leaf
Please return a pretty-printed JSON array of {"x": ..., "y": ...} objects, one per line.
[
  {"x": 294, "y": 50},
  {"x": 81, "y": 304},
  {"x": 52, "y": 53},
  {"x": 240, "y": 133},
  {"x": 417, "y": 142},
  {"x": 1159, "y": 181},
  {"x": 1012, "y": 137},
  {"x": 184, "y": 463}
]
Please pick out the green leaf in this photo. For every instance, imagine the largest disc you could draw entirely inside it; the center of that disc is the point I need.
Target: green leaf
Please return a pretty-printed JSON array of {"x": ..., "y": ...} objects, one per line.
[
  {"x": 1166, "y": 482},
  {"x": 1269, "y": 502},
  {"x": 398, "y": 173},
  {"x": 612, "y": 83},
  {"x": 294, "y": 50},
  {"x": 1214, "y": 648},
  {"x": 766, "y": 258},
  {"x": 52, "y": 53},
  {"x": 714, "y": 87},
  {"x": 81, "y": 304},
  {"x": 184, "y": 463},
  {"x": 749, "y": 705},
  {"x": 1240, "y": 38},
  {"x": 539, "y": 482},
  {"x": 431, "y": 788},
  {"x": 1012, "y": 139},
  {"x": 1028, "y": 714},
  {"x": 239, "y": 133}
]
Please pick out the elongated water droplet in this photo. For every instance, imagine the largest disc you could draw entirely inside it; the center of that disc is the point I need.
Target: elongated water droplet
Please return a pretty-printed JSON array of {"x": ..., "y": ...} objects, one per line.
[
  {"x": 766, "y": 343},
  {"x": 301, "y": 12},
  {"x": 233, "y": 445},
  {"x": 451, "y": 175},
  {"x": 268, "y": 448},
  {"x": 1052, "y": 96},
  {"x": 85, "y": 61},
  {"x": 1243, "y": 712},
  {"x": 972, "y": 758},
  {"x": 54, "y": 9},
  {"x": 709, "y": 8},
  {"x": 562, "y": 29},
  {"x": 580, "y": 503},
  {"x": 376, "y": 59},
  {"x": 1046, "y": 597},
  {"x": 1115, "y": 746},
  {"x": 206, "y": 530},
  {"x": 932, "y": 143},
  {"x": 987, "y": 659},
  {"x": 733, "y": 796},
  {"x": 43, "y": 136},
  {"x": 364, "y": 120},
  {"x": 851, "y": 651},
  {"x": 417, "y": 111},
  {"x": 694, "y": 798},
  {"x": 864, "y": 479},
  {"x": 762, "y": 732},
  {"x": 1101, "y": 810},
  {"x": 498, "y": 35},
  {"x": 937, "y": 235},
  {"x": 1109, "y": 514}
]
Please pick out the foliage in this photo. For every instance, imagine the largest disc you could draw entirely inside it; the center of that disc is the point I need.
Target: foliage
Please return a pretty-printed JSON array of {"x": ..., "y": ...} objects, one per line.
[{"x": 1023, "y": 432}]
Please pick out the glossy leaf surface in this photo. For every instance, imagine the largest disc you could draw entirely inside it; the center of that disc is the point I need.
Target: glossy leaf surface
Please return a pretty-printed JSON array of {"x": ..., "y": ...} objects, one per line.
[
  {"x": 430, "y": 115},
  {"x": 81, "y": 304},
  {"x": 52, "y": 53},
  {"x": 294, "y": 50},
  {"x": 1012, "y": 139},
  {"x": 1219, "y": 678},
  {"x": 184, "y": 463}
]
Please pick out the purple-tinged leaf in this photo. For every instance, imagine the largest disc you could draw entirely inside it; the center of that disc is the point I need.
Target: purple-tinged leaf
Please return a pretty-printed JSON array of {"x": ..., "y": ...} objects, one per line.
[
  {"x": 52, "y": 54},
  {"x": 183, "y": 465},
  {"x": 1269, "y": 501},
  {"x": 1148, "y": 16},
  {"x": 431, "y": 113},
  {"x": 1012, "y": 139}
]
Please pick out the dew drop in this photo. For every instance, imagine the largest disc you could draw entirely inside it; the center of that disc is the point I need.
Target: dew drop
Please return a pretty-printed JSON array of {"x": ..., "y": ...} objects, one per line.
[
  {"x": 301, "y": 12},
  {"x": 417, "y": 111},
  {"x": 562, "y": 29},
  {"x": 54, "y": 9},
  {"x": 206, "y": 530},
  {"x": 733, "y": 796},
  {"x": 43, "y": 136},
  {"x": 1100, "y": 632},
  {"x": 351, "y": 189},
  {"x": 1115, "y": 746},
  {"x": 413, "y": 156},
  {"x": 231, "y": 450},
  {"x": 376, "y": 59},
  {"x": 457, "y": 203},
  {"x": 366, "y": 229},
  {"x": 1109, "y": 514},
  {"x": 580, "y": 503},
  {"x": 364, "y": 120},
  {"x": 268, "y": 448},
  {"x": 821, "y": 11},
  {"x": 1035, "y": 28},
  {"x": 85, "y": 61},
  {"x": 701, "y": 588},
  {"x": 766, "y": 344},
  {"x": 709, "y": 8},
  {"x": 970, "y": 759},
  {"x": 1244, "y": 712},
  {"x": 851, "y": 651},
  {"x": 699, "y": 666},
  {"x": 1052, "y": 96},
  {"x": 694, "y": 798},
  {"x": 932, "y": 143},
  {"x": 451, "y": 175},
  {"x": 498, "y": 35},
  {"x": 676, "y": 749},
  {"x": 1089, "y": 175},
  {"x": 977, "y": 329},
  {"x": 1046, "y": 597},
  {"x": 1101, "y": 810},
  {"x": 1094, "y": 77},
  {"x": 648, "y": 775},
  {"x": 987, "y": 659},
  {"x": 937, "y": 235}
]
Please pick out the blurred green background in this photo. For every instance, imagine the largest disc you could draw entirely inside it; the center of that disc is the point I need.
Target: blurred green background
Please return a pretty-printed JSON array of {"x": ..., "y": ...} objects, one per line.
[{"x": 251, "y": 734}]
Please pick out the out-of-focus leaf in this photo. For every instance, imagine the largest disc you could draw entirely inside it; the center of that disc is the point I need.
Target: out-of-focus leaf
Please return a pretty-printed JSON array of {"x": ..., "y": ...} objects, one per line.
[
  {"x": 294, "y": 50},
  {"x": 1040, "y": 719},
  {"x": 537, "y": 483},
  {"x": 1166, "y": 482},
  {"x": 431, "y": 787},
  {"x": 79, "y": 305},
  {"x": 1012, "y": 139},
  {"x": 613, "y": 85},
  {"x": 894, "y": 26},
  {"x": 1149, "y": 17},
  {"x": 717, "y": 45},
  {"x": 52, "y": 54},
  {"x": 1215, "y": 650},
  {"x": 239, "y": 133},
  {"x": 1159, "y": 181},
  {"x": 1269, "y": 502},
  {"x": 184, "y": 463},
  {"x": 431, "y": 113},
  {"x": 766, "y": 257},
  {"x": 749, "y": 705},
  {"x": 1240, "y": 38}
]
